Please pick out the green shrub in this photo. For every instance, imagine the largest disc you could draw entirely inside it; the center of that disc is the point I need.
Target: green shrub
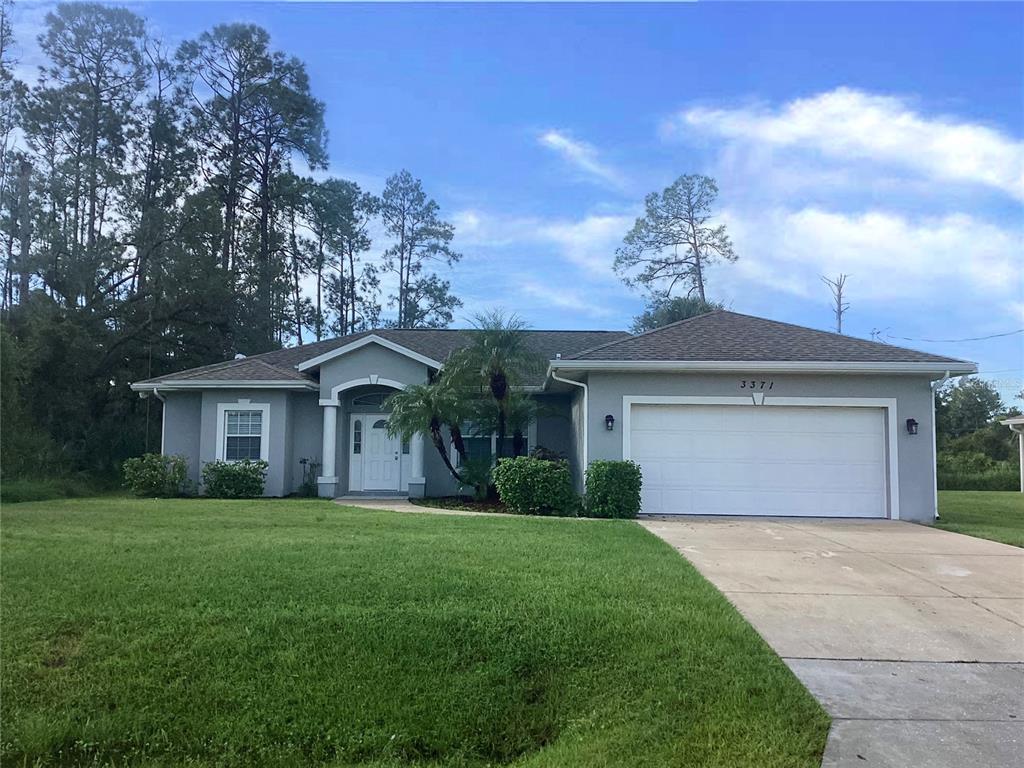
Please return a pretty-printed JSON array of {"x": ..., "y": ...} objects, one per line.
[
  {"x": 155, "y": 475},
  {"x": 974, "y": 471},
  {"x": 234, "y": 479},
  {"x": 531, "y": 486},
  {"x": 613, "y": 489}
]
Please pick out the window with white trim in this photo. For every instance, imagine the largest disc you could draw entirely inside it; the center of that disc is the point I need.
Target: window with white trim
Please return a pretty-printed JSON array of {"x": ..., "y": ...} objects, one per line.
[
  {"x": 243, "y": 435},
  {"x": 357, "y": 437}
]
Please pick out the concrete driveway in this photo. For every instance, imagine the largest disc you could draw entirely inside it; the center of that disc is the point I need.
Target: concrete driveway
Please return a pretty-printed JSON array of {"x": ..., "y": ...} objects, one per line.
[{"x": 912, "y": 638}]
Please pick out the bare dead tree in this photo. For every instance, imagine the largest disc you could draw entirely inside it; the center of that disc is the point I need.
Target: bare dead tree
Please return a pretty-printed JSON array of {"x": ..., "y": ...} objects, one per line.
[{"x": 839, "y": 305}]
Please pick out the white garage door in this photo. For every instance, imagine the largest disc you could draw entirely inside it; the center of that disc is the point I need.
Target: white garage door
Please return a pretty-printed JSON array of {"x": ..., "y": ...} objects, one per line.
[{"x": 760, "y": 460}]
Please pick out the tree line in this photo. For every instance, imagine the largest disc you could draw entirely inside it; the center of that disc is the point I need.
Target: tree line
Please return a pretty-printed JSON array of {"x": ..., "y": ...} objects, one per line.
[{"x": 162, "y": 209}]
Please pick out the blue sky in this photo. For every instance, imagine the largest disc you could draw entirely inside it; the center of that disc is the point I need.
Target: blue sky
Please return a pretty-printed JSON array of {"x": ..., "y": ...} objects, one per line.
[{"x": 884, "y": 141}]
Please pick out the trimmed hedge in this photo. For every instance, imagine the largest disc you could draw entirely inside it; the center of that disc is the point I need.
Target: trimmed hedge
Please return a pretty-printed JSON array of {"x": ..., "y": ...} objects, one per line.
[
  {"x": 531, "y": 486},
  {"x": 613, "y": 489},
  {"x": 235, "y": 479},
  {"x": 155, "y": 475}
]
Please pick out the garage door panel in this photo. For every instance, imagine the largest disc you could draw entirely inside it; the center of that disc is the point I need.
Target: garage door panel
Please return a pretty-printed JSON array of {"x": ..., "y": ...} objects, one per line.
[
  {"x": 754, "y": 475},
  {"x": 778, "y": 503},
  {"x": 767, "y": 460},
  {"x": 735, "y": 446},
  {"x": 667, "y": 445}
]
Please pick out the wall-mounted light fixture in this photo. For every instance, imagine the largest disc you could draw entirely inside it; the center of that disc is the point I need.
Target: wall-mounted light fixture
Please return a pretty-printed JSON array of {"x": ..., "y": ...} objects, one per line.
[
  {"x": 911, "y": 426},
  {"x": 609, "y": 422}
]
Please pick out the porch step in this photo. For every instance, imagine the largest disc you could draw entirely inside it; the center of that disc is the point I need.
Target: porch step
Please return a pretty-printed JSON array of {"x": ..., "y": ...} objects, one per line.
[{"x": 356, "y": 496}]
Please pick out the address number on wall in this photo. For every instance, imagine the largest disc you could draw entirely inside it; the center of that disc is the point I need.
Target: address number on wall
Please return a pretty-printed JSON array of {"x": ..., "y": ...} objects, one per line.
[{"x": 756, "y": 383}]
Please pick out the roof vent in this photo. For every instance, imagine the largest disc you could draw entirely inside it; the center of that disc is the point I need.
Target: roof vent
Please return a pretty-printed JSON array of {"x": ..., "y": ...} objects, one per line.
[
  {"x": 558, "y": 355},
  {"x": 239, "y": 356}
]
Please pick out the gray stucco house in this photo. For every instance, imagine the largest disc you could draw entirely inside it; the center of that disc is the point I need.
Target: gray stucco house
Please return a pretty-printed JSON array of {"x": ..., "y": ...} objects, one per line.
[{"x": 727, "y": 414}]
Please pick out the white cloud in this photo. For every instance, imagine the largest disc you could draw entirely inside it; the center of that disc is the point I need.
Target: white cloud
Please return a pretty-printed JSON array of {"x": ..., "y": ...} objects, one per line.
[
  {"x": 581, "y": 155},
  {"x": 564, "y": 297},
  {"x": 588, "y": 242},
  {"x": 954, "y": 258},
  {"x": 849, "y": 125}
]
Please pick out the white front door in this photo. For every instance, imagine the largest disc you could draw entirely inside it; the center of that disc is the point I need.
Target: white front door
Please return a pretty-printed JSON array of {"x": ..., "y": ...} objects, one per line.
[
  {"x": 381, "y": 456},
  {"x": 760, "y": 460}
]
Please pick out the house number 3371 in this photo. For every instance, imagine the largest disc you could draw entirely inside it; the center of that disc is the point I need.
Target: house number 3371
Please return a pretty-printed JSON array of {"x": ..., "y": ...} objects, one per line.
[{"x": 756, "y": 383}]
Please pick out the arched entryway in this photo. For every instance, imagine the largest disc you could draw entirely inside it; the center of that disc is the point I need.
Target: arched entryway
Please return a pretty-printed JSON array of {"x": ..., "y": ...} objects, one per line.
[{"x": 369, "y": 460}]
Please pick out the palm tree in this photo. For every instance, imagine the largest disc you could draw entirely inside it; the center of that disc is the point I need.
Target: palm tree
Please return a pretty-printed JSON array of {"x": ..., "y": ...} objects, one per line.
[
  {"x": 519, "y": 410},
  {"x": 497, "y": 359},
  {"x": 430, "y": 407}
]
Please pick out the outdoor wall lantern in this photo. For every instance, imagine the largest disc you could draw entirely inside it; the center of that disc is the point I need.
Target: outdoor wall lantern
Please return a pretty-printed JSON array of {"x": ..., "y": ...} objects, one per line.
[
  {"x": 609, "y": 422},
  {"x": 912, "y": 426}
]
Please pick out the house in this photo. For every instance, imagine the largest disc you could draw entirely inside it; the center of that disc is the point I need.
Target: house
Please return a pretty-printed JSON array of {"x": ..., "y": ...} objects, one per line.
[{"x": 725, "y": 413}]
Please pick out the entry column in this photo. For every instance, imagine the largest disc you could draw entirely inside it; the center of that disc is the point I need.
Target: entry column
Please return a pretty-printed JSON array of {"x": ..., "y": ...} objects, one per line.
[
  {"x": 327, "y": 483},
  {"x": 418, "y": 481}
]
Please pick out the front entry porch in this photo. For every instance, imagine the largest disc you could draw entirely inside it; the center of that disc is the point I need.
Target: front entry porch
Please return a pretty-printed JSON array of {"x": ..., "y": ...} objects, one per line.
[{"x": 366, "y": 460}]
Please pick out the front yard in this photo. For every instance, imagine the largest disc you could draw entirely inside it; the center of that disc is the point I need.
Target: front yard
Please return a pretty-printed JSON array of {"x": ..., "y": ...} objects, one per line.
[
  {"x": 996, "y": 515},
  {"x": 301, "y": 632}
]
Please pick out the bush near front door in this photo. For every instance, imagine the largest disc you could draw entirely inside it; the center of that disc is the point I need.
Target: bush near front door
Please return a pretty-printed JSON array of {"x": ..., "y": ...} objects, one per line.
[
  {"x": 613, "y": 489},
  {"x": 530, "y": 486}
]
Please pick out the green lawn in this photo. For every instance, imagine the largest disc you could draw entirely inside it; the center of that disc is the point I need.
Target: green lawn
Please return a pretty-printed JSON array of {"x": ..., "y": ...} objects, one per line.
[
  {"x": 996, "y": 515},
  {"x": 300, "y": 632}
]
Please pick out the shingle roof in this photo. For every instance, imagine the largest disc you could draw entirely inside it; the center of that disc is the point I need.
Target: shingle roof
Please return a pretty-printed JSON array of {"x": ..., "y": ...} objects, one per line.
[
  {"x": 727, "y": 336},
  {"x": 436, "y": 344},
  {"x": 713, "y": 337}
]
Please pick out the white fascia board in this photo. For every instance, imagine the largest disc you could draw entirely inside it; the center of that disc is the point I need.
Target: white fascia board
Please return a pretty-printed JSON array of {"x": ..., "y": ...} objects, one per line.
[
  {"x": 767, "y": 366},
  {"x": 373, "y": 338},
  {"x": 171, "y": 385}
]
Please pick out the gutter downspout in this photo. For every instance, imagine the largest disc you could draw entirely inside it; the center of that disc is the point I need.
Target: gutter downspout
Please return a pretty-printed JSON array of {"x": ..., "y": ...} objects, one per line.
[
  {"x": 586, "y": 419},
  {"x": 935, "y": 440},
  {"x": 163, "y": 415}
]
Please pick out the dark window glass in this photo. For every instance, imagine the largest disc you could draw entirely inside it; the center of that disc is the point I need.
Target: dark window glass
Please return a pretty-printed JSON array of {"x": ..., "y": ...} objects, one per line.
[
  {"x": 478, "y": 447},
  {"x": 239, "y": 448}
]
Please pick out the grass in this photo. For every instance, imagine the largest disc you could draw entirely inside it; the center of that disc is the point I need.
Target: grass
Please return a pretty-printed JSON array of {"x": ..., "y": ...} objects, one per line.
[
  {"x": 277, "y": 633},
  {"x": 996, "y": 515}
]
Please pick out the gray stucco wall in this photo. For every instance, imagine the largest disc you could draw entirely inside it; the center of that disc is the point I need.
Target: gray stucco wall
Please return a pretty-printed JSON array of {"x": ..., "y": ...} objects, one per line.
[
  {"x": 912, "y": 394},
  {"x": 305, "y": 427},
  {"x": 182, "y": 427},
  {"x": 371, "y": 360},
  {"x": 439, "y": 480},
  {"x": 554, "y": 424}
]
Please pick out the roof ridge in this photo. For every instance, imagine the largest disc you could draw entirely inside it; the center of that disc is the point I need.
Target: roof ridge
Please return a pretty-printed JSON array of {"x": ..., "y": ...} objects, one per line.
[
  {"x": 290, "y": 371},
  {"x": 208, "y": 368},
  {"x": 838, "y": 335}
]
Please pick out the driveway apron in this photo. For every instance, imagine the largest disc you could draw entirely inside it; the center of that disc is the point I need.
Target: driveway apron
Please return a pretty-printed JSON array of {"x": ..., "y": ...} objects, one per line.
[{"x": 912, "y": 638}]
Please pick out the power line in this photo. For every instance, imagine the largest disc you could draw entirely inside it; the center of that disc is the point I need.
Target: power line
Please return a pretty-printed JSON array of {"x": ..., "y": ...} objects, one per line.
[{"x": 953, "y": 341}]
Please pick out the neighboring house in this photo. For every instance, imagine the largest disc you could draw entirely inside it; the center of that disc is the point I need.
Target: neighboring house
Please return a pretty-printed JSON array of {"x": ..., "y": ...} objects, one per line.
[{"x": 725, "y": 413}]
